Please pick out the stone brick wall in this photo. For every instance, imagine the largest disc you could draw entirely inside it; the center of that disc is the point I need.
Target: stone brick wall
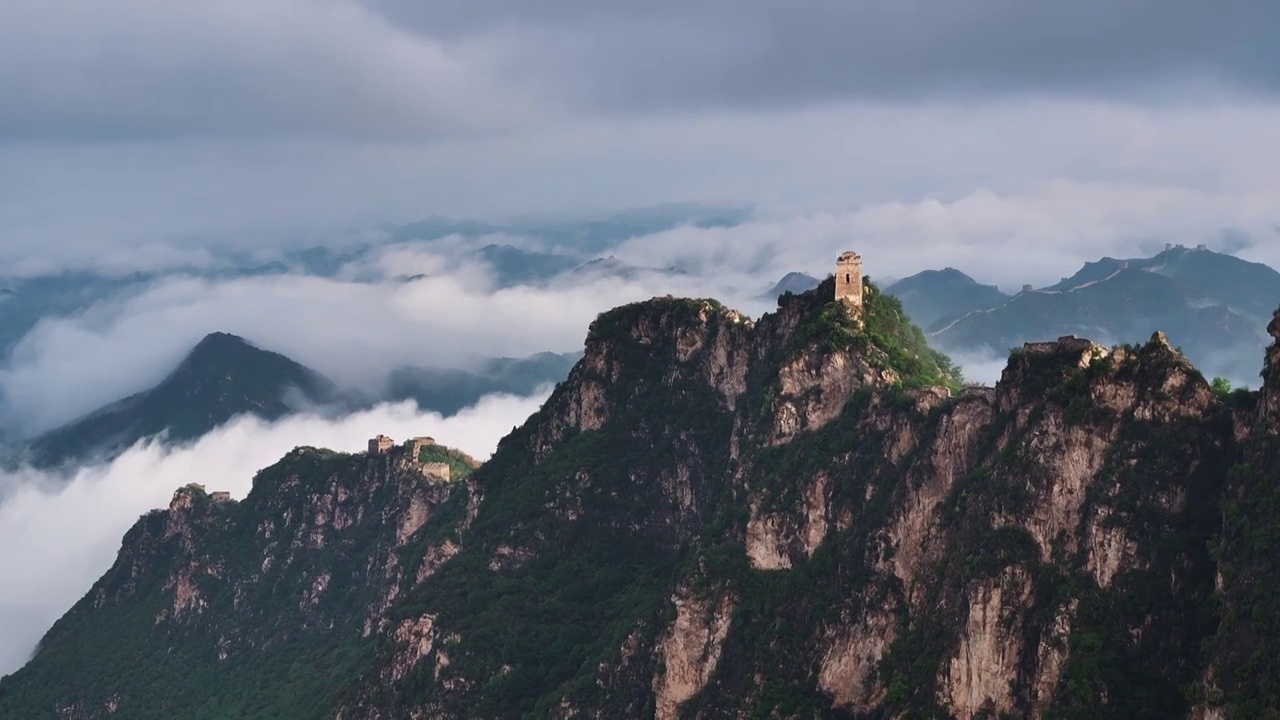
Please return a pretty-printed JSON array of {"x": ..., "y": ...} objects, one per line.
[{"x": 436, "y": 469}]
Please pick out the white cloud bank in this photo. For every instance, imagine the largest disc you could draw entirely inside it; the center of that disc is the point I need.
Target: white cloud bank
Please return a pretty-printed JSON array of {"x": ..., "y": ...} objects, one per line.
[
  {"x": 353, "y": 332},
  {"x": 54, "y": 545}
]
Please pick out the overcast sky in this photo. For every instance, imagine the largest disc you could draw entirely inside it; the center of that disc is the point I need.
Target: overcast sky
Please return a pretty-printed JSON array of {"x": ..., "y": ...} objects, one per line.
[{"x": 171, "y": 125}]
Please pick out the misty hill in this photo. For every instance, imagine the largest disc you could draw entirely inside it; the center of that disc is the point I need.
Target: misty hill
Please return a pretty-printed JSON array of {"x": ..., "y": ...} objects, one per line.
[
  {"x": 794, "y": 283},
  {"x": 1210, "y": 304},
  {"x": 223, "y": 376},
  {"x": 797, "y": 517},
  {"x": 612, "y": 267},
  {"x": 448, "y": 390},
  {"x": 512, "y": 266},
  {"x": 26, "y": 301},
  {"x": 1207, "y": 276},
  {"x": 584, "y": 236},
  {"x": 932, "y": 295}
]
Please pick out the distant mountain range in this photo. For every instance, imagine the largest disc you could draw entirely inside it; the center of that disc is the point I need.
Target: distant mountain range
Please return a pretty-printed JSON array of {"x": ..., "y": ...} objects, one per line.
[
  {"x": 511, "y": 266},
  {"x": 589, "y": 235},
  {"x": 927, "y": 296},
  {"x": 1210, "y": 304},
  {"x": 225, "y": 376},
  {"x": 448, "y": 390},
  {"x": 569, "y": 243}
]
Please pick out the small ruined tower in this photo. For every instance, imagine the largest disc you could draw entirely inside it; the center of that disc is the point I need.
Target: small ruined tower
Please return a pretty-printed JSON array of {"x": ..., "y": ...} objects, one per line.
[
  {"x": 849, "y": 280},
  {"x": 380, "y": 445}
]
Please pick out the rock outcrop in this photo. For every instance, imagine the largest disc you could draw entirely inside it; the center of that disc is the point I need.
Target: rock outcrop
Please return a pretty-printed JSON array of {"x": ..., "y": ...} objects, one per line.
[{"x": 799, "y": 516}]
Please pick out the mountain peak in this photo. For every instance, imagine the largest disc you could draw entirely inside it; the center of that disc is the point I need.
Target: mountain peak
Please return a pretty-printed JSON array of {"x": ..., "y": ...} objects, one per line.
[
  {"x": 221, "y": 352},
  {"x": 934, "y": 295},
  {"x": 794, "y": 283},
  {"x": 221, "y": 339},
  {"x": 222, "y": 377},
  {"x": 950, "y": 273}
]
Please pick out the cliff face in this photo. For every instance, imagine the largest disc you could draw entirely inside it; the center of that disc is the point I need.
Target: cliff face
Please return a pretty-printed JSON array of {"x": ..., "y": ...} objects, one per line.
[
  {"x": 714, "y": 517},
  {"x": 213, "y": 605}
]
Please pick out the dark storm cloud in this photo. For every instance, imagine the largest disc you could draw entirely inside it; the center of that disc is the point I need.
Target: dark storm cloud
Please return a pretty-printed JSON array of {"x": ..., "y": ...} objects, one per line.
[
  {"x": 763, "y": 52},
  {"x": 150, "y": 69},
  {"x": 396, "y": 69}
]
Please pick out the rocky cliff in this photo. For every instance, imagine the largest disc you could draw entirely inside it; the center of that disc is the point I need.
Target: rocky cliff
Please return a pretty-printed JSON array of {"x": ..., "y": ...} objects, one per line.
[{"x": 800, "y": 516}]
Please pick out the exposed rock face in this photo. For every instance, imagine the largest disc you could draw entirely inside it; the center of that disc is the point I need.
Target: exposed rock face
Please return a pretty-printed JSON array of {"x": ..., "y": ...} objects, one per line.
[
  {"x": 715, "y": 517},
  {"x": 690, "y": 650},
  {"x": 980, "y": 676},
  {"x": 848, "y": 671},
  {"x": 311, "y": 555},
  {"x": 773, "y": 537},
  {"x": 416, "y": 639}
]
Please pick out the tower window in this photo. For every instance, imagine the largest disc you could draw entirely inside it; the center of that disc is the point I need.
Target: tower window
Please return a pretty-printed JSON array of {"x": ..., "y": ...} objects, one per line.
[{"x": 848, "y": 277}]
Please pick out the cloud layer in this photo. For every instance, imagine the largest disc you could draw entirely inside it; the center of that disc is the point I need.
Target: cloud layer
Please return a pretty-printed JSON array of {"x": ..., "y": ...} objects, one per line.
[
  {"x": 148, "y": 205},
  {"x": 56, "y": 540},
  {"x": 396, "y": 69},
  {"x": 144, "y": 69},
  {"x": 353, "y": 332}
]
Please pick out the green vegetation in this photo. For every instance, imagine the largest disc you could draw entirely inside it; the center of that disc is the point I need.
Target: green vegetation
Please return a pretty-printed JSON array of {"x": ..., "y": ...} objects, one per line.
[
  {"x": 563, "y": 564},
  {"x": 460, "y": 464},
  {"x": 888, "y": 329},
  {"x": 1248, "y": 639},
  {"x": 287, "y": 657},
  {"x": 612, "y": 325},
  {"x": 885, "y": 328}
]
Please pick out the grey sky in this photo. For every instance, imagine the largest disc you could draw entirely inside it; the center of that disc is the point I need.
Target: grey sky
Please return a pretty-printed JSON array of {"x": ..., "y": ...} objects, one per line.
[{"x": 399, "y": 69}]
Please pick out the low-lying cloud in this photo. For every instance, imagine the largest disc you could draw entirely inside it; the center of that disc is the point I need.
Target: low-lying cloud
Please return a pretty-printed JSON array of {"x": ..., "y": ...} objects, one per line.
[
  {"x": 353, "y": 332},
  {"x": 370, "y": 318},
  {"x": 58, "y": 535},
  {"x": 1037, "y": 237},
  {"x": 1063, "y": 169}
]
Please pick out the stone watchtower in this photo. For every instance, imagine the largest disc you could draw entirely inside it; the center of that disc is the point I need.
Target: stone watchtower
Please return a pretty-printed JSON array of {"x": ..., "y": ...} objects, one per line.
[{"x": 849, "y": 280}]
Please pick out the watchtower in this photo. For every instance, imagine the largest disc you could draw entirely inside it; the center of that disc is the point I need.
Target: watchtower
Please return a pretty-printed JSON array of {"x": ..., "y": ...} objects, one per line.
[
  {"x": 415, "y": 446},
  {"x": 380, "y": 445},
  {"x": 849, "y": 280}
]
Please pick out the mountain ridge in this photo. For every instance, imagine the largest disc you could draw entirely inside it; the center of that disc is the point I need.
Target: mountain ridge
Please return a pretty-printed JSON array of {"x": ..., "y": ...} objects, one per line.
[
  {"x": 221, "y": 377},
  {"x": 932, "y": 295},
  {"x": 714, "y": 515},
  {"x": 269, "y": 385},
  {"x": 1210, "y": 304}
]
